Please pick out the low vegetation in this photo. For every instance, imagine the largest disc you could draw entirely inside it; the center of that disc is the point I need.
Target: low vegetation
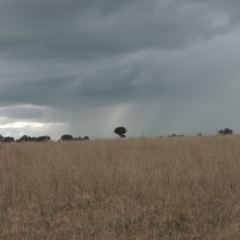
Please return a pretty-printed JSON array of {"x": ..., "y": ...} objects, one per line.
[{"x": 159, "y": 188}]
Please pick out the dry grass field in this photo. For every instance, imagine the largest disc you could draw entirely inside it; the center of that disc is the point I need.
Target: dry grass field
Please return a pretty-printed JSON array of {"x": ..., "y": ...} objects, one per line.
[{"x": 159, "y": 188}]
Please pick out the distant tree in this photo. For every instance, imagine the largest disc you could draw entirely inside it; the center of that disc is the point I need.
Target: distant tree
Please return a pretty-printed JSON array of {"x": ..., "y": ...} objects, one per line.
[
  {"x": 23, "y": 138},
  {"x": 43, "y": 139},
  {"x": 226, "y": 131},
  {"x": 26, "y": 138},
  {"x": 121, "y": 131},
  {"x": 66, "y": 137},
  {"x": 8, "y": 139},
  {"x": 221, "y": 132},
  {"x": 173, "y": 135}
]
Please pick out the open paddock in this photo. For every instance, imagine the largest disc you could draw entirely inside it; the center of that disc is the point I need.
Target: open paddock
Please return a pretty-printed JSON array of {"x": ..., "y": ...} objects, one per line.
[{"x": 155, "y": 188}]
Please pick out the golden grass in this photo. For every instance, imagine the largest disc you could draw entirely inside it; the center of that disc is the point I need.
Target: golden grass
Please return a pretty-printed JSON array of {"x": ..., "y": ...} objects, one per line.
[{"x": 166, "y": 188}]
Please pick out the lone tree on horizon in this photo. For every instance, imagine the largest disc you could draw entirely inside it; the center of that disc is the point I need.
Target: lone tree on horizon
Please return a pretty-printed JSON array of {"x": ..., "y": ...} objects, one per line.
[
  {"x": 226, "y": 131},
  {"x": 121, "y": 131}
]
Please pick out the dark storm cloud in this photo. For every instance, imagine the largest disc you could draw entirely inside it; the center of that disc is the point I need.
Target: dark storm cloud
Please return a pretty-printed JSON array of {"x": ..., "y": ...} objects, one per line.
[
  {"x": 90, "y": 29},
  {"x": 43, "y": 93},
  {"x": 21, "y": 113},
  {"x": 101, "y": 62}
]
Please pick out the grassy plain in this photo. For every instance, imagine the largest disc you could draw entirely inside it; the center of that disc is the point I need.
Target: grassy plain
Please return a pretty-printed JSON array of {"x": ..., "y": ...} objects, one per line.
[{"x": 157, "y": 188}]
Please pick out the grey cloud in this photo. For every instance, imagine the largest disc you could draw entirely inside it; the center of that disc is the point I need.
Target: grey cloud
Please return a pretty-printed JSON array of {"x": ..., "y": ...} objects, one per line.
[
  {"x": 81, "y": 29},
  {"x": 166, "y": 65},
  {"x": 53, "y": 91},
  {"x": 21, "y": 113}
]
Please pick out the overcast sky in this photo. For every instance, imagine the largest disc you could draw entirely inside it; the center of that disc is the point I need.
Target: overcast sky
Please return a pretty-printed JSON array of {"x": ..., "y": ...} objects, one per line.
[{"x": 83, "y": 67}]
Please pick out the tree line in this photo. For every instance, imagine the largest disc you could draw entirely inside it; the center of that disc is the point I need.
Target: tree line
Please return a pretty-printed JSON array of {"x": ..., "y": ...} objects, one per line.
[
  {"x": 121, "y": 131},
  {"x": 25, "y": 138}
]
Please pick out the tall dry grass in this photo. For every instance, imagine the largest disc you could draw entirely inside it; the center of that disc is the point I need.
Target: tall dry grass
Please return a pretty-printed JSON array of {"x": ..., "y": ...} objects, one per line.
[{"x": 168, "y": 188}]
